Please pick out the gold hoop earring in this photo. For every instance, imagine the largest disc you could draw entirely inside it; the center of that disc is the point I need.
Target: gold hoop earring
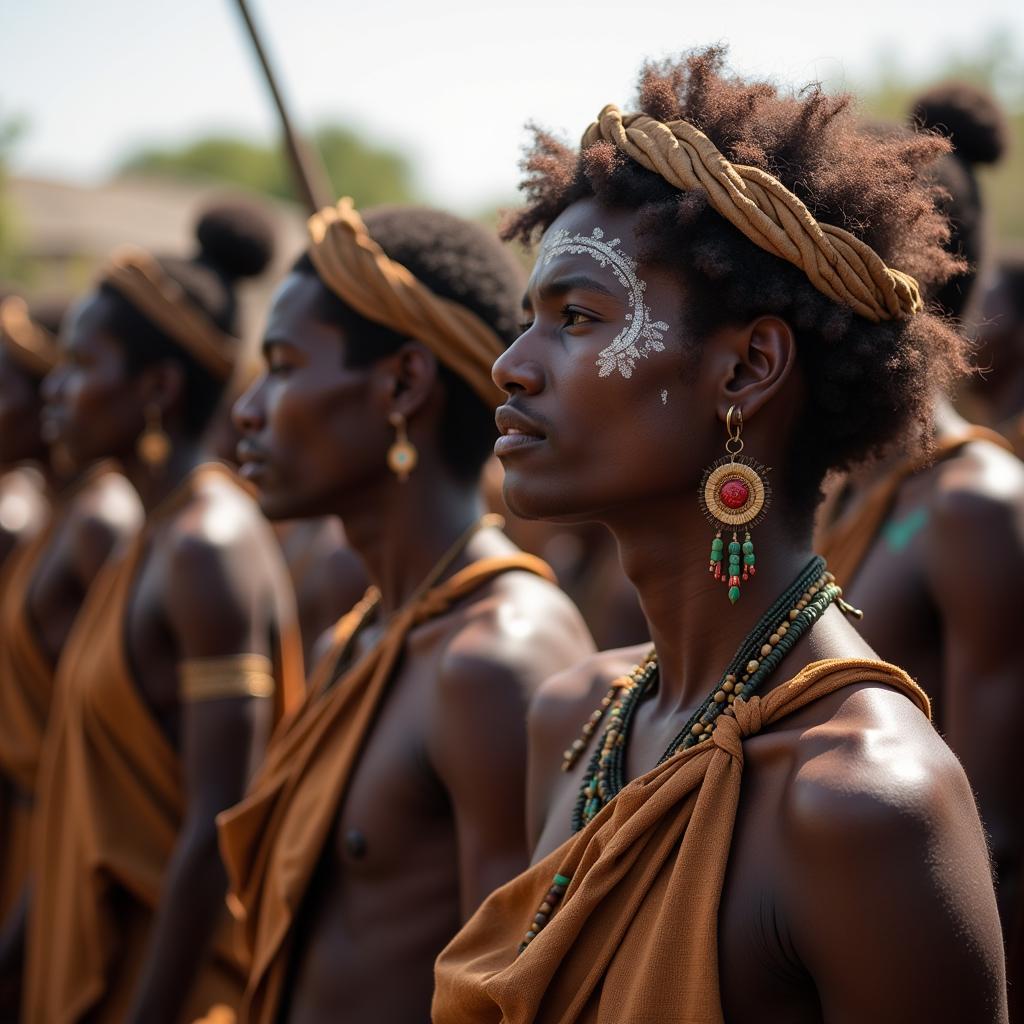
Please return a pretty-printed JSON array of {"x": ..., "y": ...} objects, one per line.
[
  {"x": 402, "y": 455},
  {"x": 734, "y": 493},
  {"x": 153, "y": 446}
]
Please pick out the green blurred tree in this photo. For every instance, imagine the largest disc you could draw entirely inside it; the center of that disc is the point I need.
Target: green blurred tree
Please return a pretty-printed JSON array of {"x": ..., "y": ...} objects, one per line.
[
  {"x": 370, "y": 174},
  {"x": 997, "y": 65},
  {"x": 10, "y": 130}
]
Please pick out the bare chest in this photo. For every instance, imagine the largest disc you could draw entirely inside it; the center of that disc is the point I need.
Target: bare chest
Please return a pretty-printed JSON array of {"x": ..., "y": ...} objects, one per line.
[{"x": 396, "y": 810}]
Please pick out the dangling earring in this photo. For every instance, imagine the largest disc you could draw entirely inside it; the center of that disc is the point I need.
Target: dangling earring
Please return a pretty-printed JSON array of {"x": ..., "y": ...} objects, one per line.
[
  {"x": 734, "y": 493},
  {"x": 402, "y": 455},
  {"x": 153, "y": 446}
]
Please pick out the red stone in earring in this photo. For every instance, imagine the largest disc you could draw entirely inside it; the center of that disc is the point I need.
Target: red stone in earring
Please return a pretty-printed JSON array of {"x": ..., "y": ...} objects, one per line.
[{"x": 734, "y": 493}]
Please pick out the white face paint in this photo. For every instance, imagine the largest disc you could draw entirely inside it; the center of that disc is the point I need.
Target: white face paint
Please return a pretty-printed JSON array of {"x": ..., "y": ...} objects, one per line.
[{"x": 641, "y": 335}]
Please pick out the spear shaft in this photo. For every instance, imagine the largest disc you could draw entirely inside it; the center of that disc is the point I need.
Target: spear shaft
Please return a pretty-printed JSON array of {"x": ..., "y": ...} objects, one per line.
[{"x": 311, "y": 180}]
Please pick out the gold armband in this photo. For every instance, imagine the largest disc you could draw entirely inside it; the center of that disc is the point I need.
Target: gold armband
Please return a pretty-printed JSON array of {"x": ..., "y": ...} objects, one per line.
[{"x": 240, "y": 675}]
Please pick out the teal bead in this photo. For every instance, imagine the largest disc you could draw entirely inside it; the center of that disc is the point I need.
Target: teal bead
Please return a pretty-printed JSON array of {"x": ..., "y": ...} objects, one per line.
[
  {"x": 562, "y": 880},
  {"x": 716, "y": 556},
  {"x": 749, "y": 559},
  {"x": 734, "y": 594},
  {"x": 734, "y": 547},
  {"x": 717, "y": 544},
  {"x": 748, "y": 547}
]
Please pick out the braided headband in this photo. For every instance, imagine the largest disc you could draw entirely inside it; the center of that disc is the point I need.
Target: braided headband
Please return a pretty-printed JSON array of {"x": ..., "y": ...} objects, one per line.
[
  {"x": 837, "y": 263},
  {"x": 34, "y": 347},
  {"x": 139, "y": 279},
  {"x": 358, "y": 271}
]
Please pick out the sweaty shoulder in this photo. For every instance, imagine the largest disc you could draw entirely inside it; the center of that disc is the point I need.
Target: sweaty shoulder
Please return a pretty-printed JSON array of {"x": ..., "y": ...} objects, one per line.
[
  {"x": 520, "y": 618},
  {"x": 103, "y": 515},
  {"x": 880, "y": 839},
  {"x": 982, "y": 482},
  {"x": 867, "y": 750},
  {"x": 220, "y": 551},
  {"x": 565, "y": 699}
]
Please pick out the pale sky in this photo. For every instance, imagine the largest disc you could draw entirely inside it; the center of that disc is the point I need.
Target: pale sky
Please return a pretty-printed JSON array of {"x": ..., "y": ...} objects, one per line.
[{"x": 452, "y": 82}]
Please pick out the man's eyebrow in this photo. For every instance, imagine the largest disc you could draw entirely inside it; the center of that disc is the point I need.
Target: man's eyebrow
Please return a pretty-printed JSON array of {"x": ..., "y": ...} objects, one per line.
[{"x": 560, "y": 285}]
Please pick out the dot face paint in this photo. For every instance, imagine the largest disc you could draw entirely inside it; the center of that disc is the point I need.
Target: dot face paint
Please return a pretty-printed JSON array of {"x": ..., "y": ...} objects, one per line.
[{"x": 641, "y": 335}]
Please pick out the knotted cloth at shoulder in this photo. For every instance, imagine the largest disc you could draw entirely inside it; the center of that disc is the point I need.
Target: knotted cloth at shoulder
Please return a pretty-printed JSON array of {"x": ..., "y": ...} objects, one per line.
[
  {"x": 364, "y": 277},
  {"x": 34, "y": 347},
  {"x": 837, "y": 263},
  {"x": 635, "y": 937},
  {"x": 138, "y": 277}
]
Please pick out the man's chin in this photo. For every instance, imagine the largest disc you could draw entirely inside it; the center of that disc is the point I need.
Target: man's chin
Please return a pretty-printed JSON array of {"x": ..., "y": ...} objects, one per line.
[
  {"x": 280, "y": 508},
  {"x": 526, "y": 499}
]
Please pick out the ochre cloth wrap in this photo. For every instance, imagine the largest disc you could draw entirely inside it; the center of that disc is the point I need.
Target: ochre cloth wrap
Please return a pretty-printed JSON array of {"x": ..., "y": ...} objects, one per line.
[
  {"x": 359, "y": 272},
  {"x": 26, "y": 689},
  {"x": 34, "y": 347},
  {"x": 273, "y": 840},
  {"x": 636, "y": 935},
  {"x": 845, "y": 543},
  {"x": 138, "y": 277},
  {"x": 110, "y": 812},
  {"x": 836, "y": 262}
]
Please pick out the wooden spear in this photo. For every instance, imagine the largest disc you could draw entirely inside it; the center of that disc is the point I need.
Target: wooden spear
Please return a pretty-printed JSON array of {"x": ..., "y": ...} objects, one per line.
[{"x": 311, "y": 180}]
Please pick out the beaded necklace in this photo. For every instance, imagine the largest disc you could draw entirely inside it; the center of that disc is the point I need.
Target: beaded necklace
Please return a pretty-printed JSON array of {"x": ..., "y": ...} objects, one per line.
[{"x": 775, "y": 634}]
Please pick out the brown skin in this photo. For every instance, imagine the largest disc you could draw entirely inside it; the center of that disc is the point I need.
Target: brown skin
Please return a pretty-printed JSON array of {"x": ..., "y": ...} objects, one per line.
[
  {"x": 433, "y": 819},
  {"x": 211, "y": 584},
  {"x": 328, "y": 576},
  {"x": 935, "y": 585},
  {"x": 103, "y": 515},
  {"x": 814, "y": 924}
]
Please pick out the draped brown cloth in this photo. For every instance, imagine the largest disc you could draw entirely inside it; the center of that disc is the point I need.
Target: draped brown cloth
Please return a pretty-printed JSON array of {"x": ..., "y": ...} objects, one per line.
[
  {"x": 845, "y": 543},
  {"x": 273, "y": 840},
  {"x": 26, "y": 680},
  {"x": 636, "y": 935},
  {"x": 111, "y": 807},
  {"x": 26, "y": 686}
]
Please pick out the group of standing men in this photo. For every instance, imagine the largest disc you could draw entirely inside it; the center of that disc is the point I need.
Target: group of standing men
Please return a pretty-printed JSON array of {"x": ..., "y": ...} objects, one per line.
[{"x": 455, "y": 808}]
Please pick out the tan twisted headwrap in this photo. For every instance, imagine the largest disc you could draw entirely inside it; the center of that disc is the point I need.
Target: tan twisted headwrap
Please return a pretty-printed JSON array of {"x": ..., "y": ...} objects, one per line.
[
  {"x": 139, "y": 278},
  {"x": 33, "y": 346},
  {"x": 359, "y": 272},
  {"x": 837, "y": 263}
]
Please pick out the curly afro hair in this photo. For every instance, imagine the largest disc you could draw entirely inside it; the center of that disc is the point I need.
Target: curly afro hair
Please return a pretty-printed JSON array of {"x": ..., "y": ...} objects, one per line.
[
  {"x": 236, "y": 240},
  {"x": 867, "y": 384},
  {"x": 457, "y": 260}
]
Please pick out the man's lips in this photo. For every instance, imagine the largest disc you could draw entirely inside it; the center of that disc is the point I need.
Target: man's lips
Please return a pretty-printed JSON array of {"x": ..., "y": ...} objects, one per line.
[
  {"x": 251, "y": 460},
  {"x": 517, "y": 431}
]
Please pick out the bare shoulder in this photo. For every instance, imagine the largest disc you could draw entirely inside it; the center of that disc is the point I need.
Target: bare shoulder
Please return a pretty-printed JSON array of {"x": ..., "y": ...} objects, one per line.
[
  {"x": 565, "y": 699},
  {"x": 873, "y": 760},
  {"x": 220, "y": 556},
  {"x": 982, "y": 483},
  {"x": 977, "y": 518},
  {"x": 878, "y": 839},
  {"x": 518, "y": 625},
  {"x": 103, "y": 515}
]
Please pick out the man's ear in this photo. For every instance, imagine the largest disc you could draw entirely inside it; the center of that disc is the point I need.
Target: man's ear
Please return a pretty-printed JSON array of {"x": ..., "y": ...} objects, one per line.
[
  {"x": 752, "y": 364},
  {"x": 405, "y": 381},
  {"x": 163, "y": 384}
]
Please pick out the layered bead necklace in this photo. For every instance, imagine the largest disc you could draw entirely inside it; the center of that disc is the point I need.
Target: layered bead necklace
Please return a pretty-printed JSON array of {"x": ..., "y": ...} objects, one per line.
[{"x": 775, "y": 634}]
